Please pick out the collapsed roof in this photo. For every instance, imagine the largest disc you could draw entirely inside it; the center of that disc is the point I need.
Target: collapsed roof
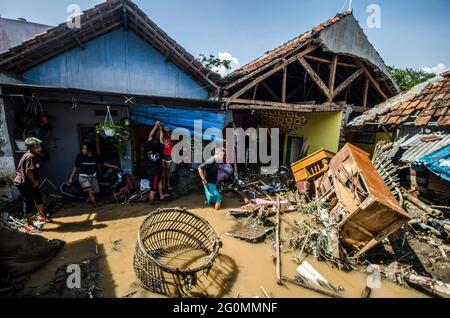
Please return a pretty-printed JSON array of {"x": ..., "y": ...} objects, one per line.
[
  {"x": 427, "y": 104},
  {"x": 340, "y": 35},
  {"x": 95, "y": 22}
]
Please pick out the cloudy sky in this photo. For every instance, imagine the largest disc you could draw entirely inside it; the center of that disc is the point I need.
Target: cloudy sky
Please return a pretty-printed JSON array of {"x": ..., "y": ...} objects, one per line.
[{"x": 411, "y": 33}]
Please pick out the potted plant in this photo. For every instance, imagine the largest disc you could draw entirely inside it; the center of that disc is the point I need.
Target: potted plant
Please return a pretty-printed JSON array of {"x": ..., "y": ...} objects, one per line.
[{"x": 118, "y": 131}]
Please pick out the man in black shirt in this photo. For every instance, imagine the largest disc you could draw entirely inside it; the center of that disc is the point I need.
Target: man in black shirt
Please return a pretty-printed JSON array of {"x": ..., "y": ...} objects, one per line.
[
  {"x": 208, "y": 172},
  {"x": 86, "y": 165},
  {"x": 154, "y": 163}
]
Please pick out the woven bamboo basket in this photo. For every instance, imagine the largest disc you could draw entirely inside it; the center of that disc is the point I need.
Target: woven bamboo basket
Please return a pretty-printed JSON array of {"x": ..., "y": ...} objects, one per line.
[{"x": 175, "y": 249}]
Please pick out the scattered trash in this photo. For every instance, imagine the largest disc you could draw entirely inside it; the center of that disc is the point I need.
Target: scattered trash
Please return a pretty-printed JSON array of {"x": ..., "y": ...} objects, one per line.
[{"x": 312, "y": 276}]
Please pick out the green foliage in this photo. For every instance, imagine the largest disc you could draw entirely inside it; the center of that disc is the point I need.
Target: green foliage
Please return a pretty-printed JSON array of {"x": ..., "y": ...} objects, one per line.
[
  {"x": 408, "y": 78},
  {"x": 120, "y": 131},
  {"x": 213, "y": 63}
]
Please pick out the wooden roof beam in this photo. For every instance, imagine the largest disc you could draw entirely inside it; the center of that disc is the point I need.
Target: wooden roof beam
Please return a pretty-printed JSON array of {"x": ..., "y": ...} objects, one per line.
[
  {"x": 308, "y": 50},
  {"x": 325, "y": 61},
  {"x": 245, "y": 104},
  {"x": 316, "y": 78},
  {"x": 347, "y": 82},
  {"x": 374, "y": 82},
  {"x": 273, "y": 71}
]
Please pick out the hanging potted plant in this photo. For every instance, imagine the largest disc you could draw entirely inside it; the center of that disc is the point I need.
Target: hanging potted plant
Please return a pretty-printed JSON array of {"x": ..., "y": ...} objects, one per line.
[{"x": 110, "y": 129}]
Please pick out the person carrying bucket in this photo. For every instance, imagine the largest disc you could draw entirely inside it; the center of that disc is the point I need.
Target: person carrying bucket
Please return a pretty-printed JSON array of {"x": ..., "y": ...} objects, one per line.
[{"x": 208, "y": 172}]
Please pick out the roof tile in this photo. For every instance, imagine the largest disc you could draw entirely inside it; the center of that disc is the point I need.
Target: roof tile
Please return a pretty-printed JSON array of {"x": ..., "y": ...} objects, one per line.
[{"x": 422, "y": 121}]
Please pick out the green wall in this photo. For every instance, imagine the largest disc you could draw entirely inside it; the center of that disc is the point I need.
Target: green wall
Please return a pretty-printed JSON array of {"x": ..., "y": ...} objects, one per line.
[
  {"x": 370, "y": 148},
  {"x": 322, "y": 131}
]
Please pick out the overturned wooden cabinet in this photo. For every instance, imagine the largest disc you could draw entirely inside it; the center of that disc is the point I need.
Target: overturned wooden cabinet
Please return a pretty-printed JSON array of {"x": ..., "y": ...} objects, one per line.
[
  {"x": 313, "y": 166},
  {"x": 359, "y": 201}
]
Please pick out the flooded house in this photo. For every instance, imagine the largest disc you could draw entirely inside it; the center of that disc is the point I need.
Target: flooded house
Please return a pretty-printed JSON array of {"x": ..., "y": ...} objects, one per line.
[{"x": 310, "y": 87}]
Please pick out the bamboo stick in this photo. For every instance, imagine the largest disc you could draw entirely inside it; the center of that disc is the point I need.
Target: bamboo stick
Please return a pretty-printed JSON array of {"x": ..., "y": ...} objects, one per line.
[{"x": 278, "y": 268}]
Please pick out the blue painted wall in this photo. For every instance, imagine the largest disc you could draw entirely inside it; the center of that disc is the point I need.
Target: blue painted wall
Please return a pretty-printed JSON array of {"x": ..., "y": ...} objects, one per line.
[{"x": 116, "y": 62}]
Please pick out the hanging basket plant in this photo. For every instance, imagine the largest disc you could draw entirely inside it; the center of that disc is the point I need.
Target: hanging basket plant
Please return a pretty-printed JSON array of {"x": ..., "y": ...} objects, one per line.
[{"x": 110, "y": 129}]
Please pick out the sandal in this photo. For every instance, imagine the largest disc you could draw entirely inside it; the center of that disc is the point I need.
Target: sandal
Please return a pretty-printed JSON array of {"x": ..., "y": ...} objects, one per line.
[
  {"x": 30, "y": 229},
  {"x": 44, "y": 220},
  {"x": 165, "y": 198}
]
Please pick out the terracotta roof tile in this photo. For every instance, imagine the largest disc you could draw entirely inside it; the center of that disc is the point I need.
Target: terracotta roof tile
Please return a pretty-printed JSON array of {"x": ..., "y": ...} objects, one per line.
[
  {"x": 444, "y": 121},
  {"x": 441, "y": 111},
  {"x": 422, "y": 121}
]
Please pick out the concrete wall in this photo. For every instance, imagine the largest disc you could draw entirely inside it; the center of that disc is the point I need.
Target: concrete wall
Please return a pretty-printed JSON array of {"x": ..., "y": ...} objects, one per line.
[
  {"x": 63, "y": 144},
  {"x": 117, "y": 62},
  {"x": 322, "y": 130},
  {"x": 7, "y": 165},
  {"x": 14, "y": 32}
]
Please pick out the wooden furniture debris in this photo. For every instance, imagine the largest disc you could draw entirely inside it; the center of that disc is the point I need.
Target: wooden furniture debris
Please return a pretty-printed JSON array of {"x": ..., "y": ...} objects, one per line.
[
  {"x": 313, "y": 166},
  {"x": 365, "y": 210}
]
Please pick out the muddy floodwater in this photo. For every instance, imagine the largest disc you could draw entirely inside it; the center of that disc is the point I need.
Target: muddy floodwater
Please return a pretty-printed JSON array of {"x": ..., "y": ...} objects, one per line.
[{"x": 240, "y": 271}]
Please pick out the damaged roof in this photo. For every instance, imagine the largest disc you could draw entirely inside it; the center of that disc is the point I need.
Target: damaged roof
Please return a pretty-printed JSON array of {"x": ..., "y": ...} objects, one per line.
[
  {"x": 340, "y": 35},
  {"x": 427, "y": 104},
  {"x": 95, "y": 22}
]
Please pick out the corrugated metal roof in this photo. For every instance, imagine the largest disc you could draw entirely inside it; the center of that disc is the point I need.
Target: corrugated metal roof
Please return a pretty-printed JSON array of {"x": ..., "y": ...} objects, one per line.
[{"x": 413, "y": 146}]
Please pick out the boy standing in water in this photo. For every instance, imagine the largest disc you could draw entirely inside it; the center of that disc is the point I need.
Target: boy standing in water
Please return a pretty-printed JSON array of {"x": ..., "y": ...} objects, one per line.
[{"x": 27, "y": 181}]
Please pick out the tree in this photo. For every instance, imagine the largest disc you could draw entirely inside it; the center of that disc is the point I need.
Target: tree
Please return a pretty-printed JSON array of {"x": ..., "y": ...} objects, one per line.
[
  {"x": 408, "y": 78},
  {"x": 214, "y": 63}
]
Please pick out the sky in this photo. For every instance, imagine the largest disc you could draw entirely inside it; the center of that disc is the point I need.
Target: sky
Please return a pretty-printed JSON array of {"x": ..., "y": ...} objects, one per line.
[{"x": 410, "y": 33}]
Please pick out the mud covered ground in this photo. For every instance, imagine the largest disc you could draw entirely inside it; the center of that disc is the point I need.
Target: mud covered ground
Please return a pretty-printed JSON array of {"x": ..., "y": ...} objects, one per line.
[{"x": 108, "y": 236}]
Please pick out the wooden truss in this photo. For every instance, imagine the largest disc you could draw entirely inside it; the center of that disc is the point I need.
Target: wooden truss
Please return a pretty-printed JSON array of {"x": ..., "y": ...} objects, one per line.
[{"x": 281, "y": 65}]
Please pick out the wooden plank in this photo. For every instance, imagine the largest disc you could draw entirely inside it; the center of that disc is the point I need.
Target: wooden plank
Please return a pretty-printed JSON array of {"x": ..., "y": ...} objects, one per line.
[
  {"x": 255, "y": 91},
  {"x": 332, "y": 80},
  {"x": 272, "y": 71},
  {"x": 347, "y": 82},
  {"x": 374, "y": 82},
  {"x": 278, "y": 242},
  {"x": 314, "y": 76},
  {"x": 269, "y": 65},
  {"x": 245, "y": 104},
  {"x": 284, "y": 85},
  {"x": 325, "y": 61},
  {"x": 366, "y": 93},
  {"x": 382, "y": 235}
]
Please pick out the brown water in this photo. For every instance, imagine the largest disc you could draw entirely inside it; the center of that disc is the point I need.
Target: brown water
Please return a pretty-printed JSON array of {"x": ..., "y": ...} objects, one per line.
[{"x": 241, "y": 269}]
